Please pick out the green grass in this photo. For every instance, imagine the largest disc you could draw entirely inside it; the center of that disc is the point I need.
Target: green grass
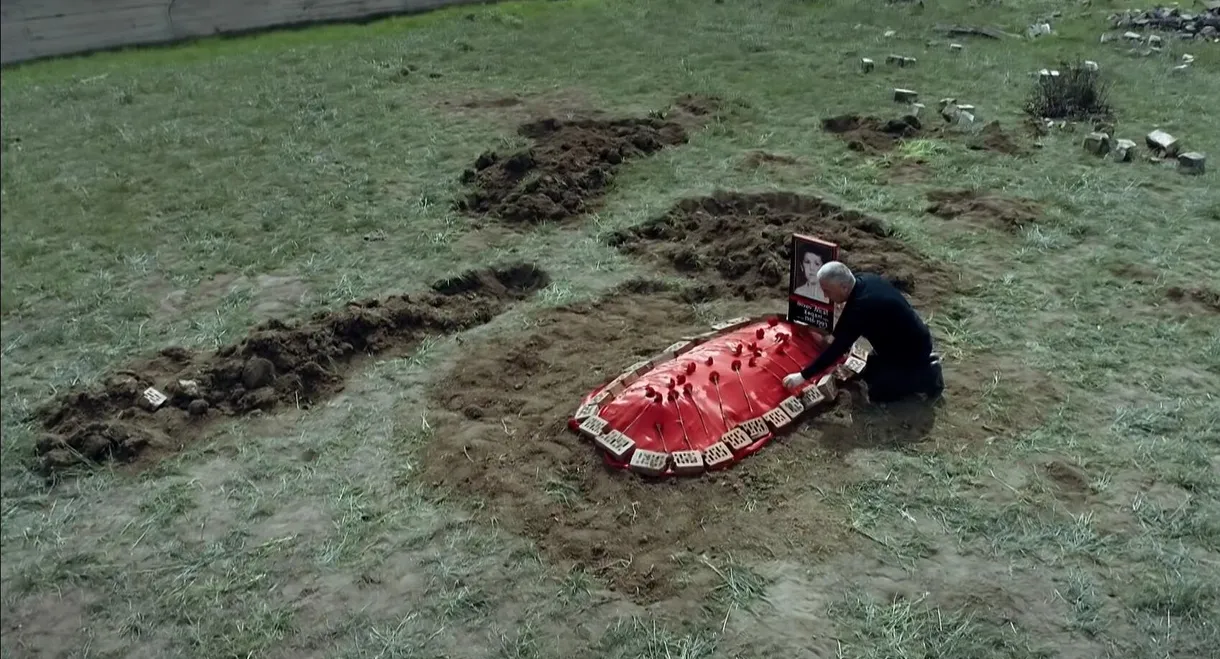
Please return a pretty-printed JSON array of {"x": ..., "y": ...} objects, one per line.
[{"x": 131, "y": 176}]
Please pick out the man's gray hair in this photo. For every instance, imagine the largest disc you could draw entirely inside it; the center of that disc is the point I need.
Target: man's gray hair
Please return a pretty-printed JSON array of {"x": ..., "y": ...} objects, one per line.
[{"x": 836, "y": 272}]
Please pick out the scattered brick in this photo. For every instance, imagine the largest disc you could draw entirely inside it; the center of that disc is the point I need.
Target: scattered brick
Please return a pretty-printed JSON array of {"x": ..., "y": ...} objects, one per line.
[
  {"x": 1192, "y": 163},
  {"x": 153, "y": 399},
  {"x": 905, "y": 95}
]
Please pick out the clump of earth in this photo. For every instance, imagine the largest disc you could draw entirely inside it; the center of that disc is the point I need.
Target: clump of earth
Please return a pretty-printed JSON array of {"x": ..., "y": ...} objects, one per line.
[
  {"x": 278, "y": 362},
  {"x": 740, "y": 244}
]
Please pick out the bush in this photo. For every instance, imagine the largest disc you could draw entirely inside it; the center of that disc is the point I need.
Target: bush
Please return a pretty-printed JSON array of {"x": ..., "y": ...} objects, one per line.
[{"x": 1078, "y": 92}]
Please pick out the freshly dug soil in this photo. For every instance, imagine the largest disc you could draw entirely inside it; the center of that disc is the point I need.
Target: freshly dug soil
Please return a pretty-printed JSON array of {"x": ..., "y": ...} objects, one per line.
[
  {"x": 873, "y": 135},
  {"x": 1207, "y": 298},
  {"x": 278, "y": 362},
  {"x": 504, "y": 442},
  {"x": 741, "y": 244},
  {"x": 983, "y": 207},
  {"x": 566, "y": 171}
]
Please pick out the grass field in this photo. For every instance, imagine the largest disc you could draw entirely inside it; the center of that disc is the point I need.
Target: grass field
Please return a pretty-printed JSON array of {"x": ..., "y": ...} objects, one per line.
[{"x": 1065, "y": 503}]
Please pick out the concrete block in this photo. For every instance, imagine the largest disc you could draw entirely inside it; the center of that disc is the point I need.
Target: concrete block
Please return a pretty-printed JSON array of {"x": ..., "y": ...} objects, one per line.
[
  {"x": 649, "y": 463},
  {"x": 189, "y": 388},
  {"x": 1124, "y": 150},
  {"x": 153, "y": 399},
  {"x": 687, "y": 463},
  {"x": 793, "y": 406},
  {"x": 965, "y": 107},
  {"x": 756, "y": 428},
  {"x": 1154, "y": 40},
  {"x": 736, "y": 439},
  {"x": 963, "y": 119},
  {"x": 855, "y": 365},
  {"x": 1162, "y": 142},
  {"x": 917, "y": 109},
  {"x": 1132, "y": 36},
  {"x": 1097, "y": 144},
  {"x": 944, "y": 103},
  {"x": 616, "y": 444},
  {"x": 867, "y": 65},
  {"x": 1091, "y": 65},
  {"x": 1192, "y": 163},
  {"x": 907, "y": 61},
  {"x": 889, "y": 33},
  {"x": 892, "y": 59},
  {"x": 777, "y": 417},
  {"x": 1180, "y": 69},
  {"x": 1187, "y": 58},
  {"x": 955, "y": 48},
  {"x": 593, "y": 427},
  {"x": 717, "y": 455},
  {"x": 601, "y": 397},
  {"x": 905, "y": 95},
  {"x": 587, "y": 410}
]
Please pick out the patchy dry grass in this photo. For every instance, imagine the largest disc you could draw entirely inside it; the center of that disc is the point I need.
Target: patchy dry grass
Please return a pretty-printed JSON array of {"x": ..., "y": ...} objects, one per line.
[{"x": 131, "y": 179}]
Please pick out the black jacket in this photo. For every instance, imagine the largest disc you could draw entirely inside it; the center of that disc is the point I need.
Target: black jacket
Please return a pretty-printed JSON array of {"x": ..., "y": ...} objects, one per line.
[{"x": 878, "y": 312}]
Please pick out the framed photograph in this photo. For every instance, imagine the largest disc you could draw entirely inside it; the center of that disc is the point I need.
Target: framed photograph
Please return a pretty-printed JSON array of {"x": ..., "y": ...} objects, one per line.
[{"x": 807, "y": 303}]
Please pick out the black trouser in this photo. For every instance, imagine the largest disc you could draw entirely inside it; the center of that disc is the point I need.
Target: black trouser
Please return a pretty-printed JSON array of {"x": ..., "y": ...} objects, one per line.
[{"x": 890, "y": 380}]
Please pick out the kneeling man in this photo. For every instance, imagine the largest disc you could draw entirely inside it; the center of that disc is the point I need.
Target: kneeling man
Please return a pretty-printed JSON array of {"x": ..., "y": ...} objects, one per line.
[{"x": 902, "y": 363}]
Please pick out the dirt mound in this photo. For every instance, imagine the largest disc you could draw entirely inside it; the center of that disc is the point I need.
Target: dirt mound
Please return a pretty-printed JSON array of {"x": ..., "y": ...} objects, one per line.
[
  {"x": 993, "y": 138},
  {"x": 278, "y": 362},
  {"x": 567, "y": 169},
  {"x": 1207, "y": 298},
  {"x": 508, "y": 447},
  {"x": 979, "y": 206},
  {"x": 741, "y": 243},
  {"x": 873, "y": 135},
  {"x": 758, "y": 159}
]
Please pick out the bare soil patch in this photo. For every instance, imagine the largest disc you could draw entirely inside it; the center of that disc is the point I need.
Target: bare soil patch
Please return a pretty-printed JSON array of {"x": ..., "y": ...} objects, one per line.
[
  {"x": 570, "y": 164},
  {"x": 874, "y": 135},
  {"x": 763, "y": 159},
  {"x": 1199, "y": 297},
  {"x": 984, "y": 208},
  {"x": 277, "y": 363},
  {"x": 741, "y": 244},
  {"x": 503, "y": 441}
]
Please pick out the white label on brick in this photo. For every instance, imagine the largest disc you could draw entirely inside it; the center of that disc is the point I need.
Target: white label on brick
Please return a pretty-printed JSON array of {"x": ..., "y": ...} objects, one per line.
[
  {"x": 777, "y": 417},
  {"x": 601, "y": 397},
  {"x": 155, "y": 398},
  {"x": 716, "y": 455},
  {"x": 649, "y": 462},
  {"x": 854, "y": 364},
  {"x": 756, "y": 428},
  {"x": 615, "y": 443},
  {"x": 587, "y": 410},
  {"x": 594, "y": 426},
  {"x": 792, "y": 406},
  {"x": 858, "y": 349},
  {"x": 737, "y": 439}
]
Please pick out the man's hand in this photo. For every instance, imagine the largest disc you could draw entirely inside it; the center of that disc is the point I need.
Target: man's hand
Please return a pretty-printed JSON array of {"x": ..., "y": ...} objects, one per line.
[{"x": 793, "y": 381}]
